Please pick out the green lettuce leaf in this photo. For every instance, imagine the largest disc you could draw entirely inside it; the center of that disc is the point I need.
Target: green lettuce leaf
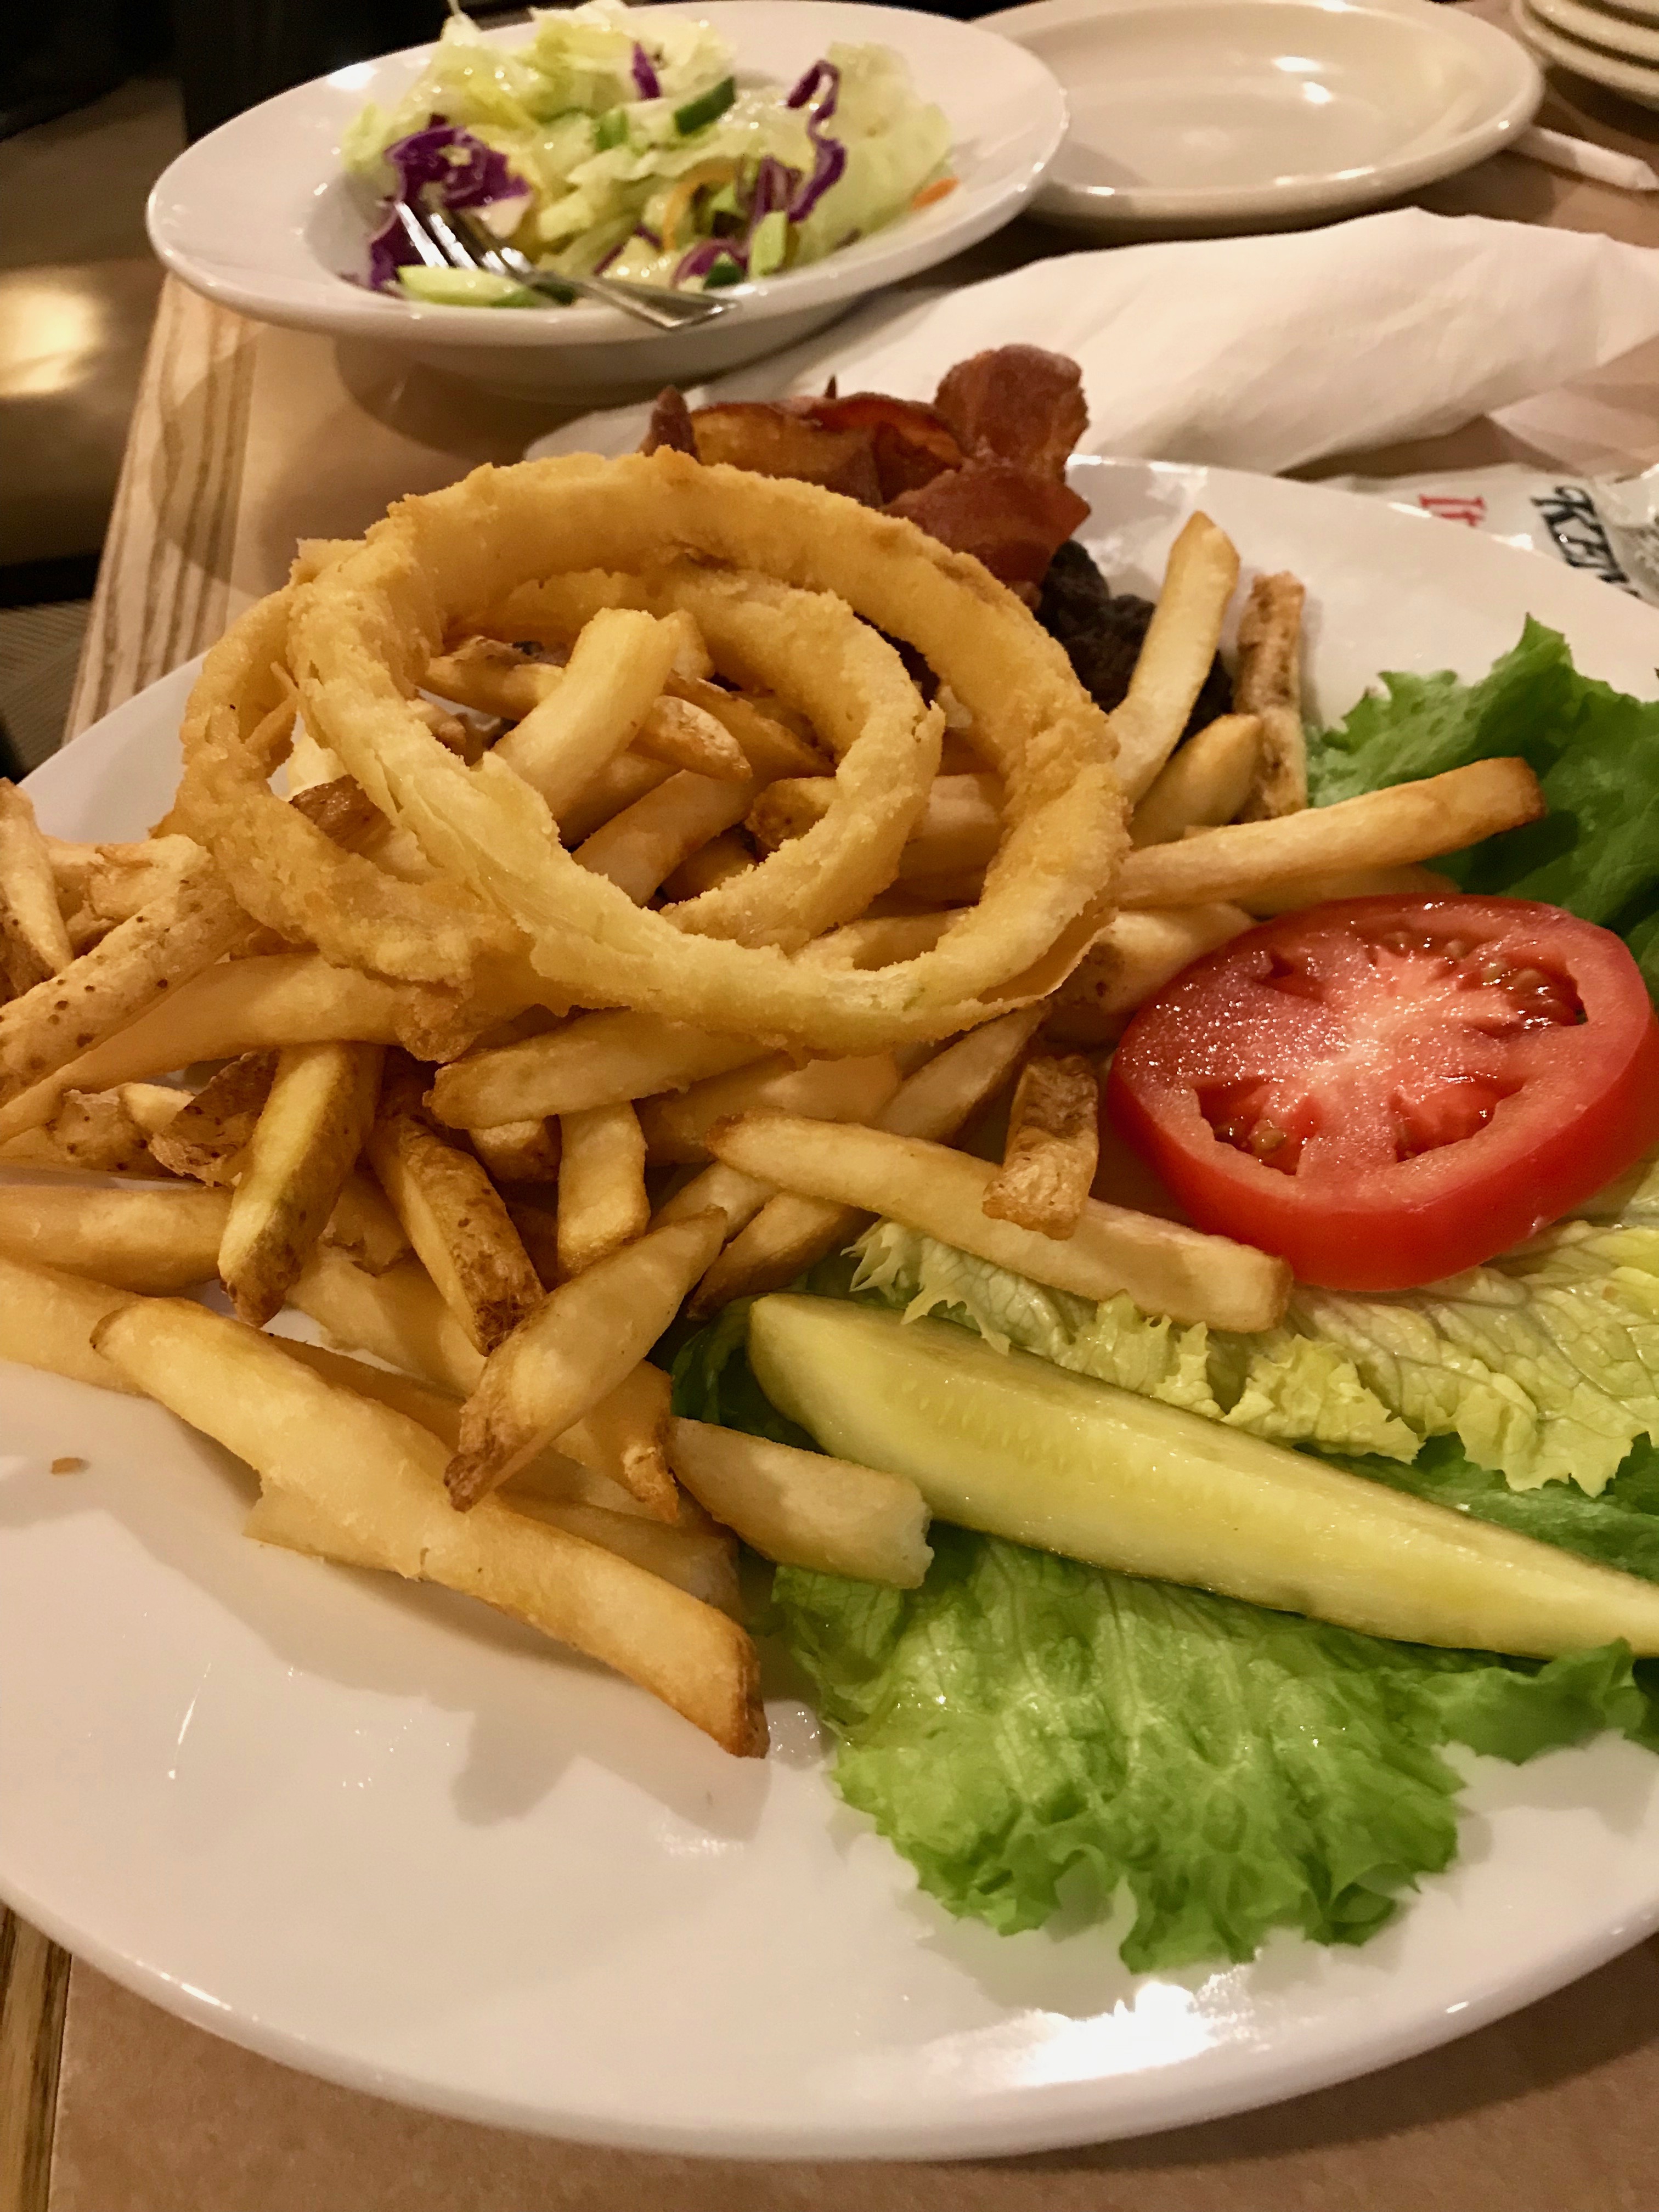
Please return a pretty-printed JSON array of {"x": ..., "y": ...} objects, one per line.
[
  {"x": 1023, "y": 1727},
  {"x": 1023, "y": 1721},
  {"x": 1594, "y": 750},
  {"x": 1545, "y": 1364}
]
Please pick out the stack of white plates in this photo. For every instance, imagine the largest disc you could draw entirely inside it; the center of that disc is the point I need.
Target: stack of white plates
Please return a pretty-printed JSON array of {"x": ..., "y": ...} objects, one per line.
[{"x": 1617, "y": 46}]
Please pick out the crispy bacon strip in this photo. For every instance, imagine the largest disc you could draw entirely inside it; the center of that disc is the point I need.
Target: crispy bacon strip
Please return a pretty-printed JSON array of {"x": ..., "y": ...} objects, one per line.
[
  {"x": 671, "y": 424},
  {"x": 1016, "y": 402},
  {"x": 1005, "y": 515}
]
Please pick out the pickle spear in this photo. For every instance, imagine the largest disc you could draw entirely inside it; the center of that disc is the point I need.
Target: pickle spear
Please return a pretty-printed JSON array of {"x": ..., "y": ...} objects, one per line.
[{"x": 1008, "y": 1443}]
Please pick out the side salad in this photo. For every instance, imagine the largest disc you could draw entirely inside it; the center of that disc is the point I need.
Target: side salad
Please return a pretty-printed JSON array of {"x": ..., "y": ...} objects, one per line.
[
  {"x": 1032, "y": 1731},
  {"x": 624, "y": 143}
]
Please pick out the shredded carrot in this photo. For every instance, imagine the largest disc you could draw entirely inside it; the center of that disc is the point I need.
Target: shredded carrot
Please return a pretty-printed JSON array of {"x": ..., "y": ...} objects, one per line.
[
  {"x": 680, "y": 200},
  {"x": 938, "y": 189}
]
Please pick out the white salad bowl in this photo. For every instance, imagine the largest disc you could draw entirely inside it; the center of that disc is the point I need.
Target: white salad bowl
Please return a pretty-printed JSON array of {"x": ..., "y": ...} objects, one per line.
[{"x": 260, "y": 216}]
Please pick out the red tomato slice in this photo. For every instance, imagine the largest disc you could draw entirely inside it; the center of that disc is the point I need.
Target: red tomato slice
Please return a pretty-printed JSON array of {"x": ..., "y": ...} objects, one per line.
[{"x": 1387, "y": 1091}]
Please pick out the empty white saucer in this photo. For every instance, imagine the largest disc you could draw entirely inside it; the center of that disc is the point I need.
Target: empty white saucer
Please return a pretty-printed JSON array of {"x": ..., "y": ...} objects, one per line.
[{"x": 1217, "y": 114}]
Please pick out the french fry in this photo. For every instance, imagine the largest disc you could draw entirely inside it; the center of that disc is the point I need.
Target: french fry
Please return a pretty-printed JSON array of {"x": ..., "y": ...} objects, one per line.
[
  {"x": 692, "y": 663},
  {"x": 399, "y": 1317},
  {"x": 452, "y": 1213},
  {"x": 552, "y": 1477},
  {"x": 465, "y": 739},
  {"x": 153, "y": 1106},
  {"x": 1176, "y": 656},
  {"x": 720, "y": 1189},
  {"x": 1053, "y": 1148},
  {"x": 769, "y": 745},
  {"x": 363, "y": 1226},
  {"x": 602, "y": 1195},
  {"x": 1353, "y": 883},
  {"x": 1165, "y": 1268},
  {"x": 94, "y": 1132},
  {"x": 47, "y": 1316},
  {"x": 788, "y": 1234},
  {"x": 241, "y": 1006},
  {"x": 207, "y": 1137},
  {"x": 703, "y": 1563},
  {"x": 33, "y": 941},
  {"x": 958, "y": 830},
  {"x": 676, "y": 1129},
  {"x": 52, "y": 1025},
  {"x": 710, "y": 866},
  {"x": 492, "y": 678},
  {"x": 1134, "y": 956},
  {"x": 1267, "y": 682},
  {"x": 1204, "y": 784},
  {"x": 370, "y": 1481},
  {"x": 305, "y": 1144},
  {"x": 519, "y": 1152},
  {"x": 628, "y": 778},
  {"x": 688, "y": 736},
  {"x": 623, "y": 1436},
  {"x": 582, "y": 1341},
  {"x": 596, "y": 1060},
  {"x": 617, "y": 670},
  {"x": 639, "y": 847},
  {"x": 803, "y": 1510},
  {"x": 1379, "y": 829},
  {"x": 131, "y": 1237},
  {"x": 534, "y": 1213}
]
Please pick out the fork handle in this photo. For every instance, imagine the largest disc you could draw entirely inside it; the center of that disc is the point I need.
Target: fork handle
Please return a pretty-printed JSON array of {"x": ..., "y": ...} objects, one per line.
[{"x": 663, "y": 310}]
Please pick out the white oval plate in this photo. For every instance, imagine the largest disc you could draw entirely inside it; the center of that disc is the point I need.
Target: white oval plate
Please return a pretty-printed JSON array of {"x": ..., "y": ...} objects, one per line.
[
  {"x": 1205, "y": 114},
  {"x": 1599, "y": 28},
  {"x": 1633, "y": 79},
  {"x": 259, "y": 215},
  {"x": 382, "y": 1835}
]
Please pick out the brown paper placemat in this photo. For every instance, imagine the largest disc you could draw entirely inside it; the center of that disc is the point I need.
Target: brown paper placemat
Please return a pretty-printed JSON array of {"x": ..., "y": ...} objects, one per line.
[{"x": 1554, "y": 2110}]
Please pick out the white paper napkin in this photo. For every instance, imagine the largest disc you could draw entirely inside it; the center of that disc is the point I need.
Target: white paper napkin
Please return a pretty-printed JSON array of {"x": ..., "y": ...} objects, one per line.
[{"x": 1252, "y": 353}]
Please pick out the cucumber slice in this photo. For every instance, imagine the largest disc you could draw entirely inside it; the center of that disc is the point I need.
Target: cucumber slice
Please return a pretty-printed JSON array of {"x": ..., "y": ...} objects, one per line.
[
  {"x": 1006, "y": 1442},
  {"x": 464, "y": 287},
  {"x": 707, "y": 107}
]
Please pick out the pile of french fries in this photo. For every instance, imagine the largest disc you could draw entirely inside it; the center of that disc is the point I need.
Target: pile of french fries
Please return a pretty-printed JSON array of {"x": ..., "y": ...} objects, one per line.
[{"x": 493, "y": 1214}]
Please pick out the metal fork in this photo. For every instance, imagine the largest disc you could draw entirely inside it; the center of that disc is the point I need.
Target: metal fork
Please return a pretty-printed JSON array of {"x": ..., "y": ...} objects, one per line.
[{"x": 463, "y": 243}]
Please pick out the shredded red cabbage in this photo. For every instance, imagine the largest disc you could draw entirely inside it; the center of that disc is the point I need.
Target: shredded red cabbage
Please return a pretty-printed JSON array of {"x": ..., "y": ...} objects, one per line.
[
  {"x": 818, "y": 92},
  {"x": 646, "y": 82},
  {"x": 444, "y": 165},
  {"x": 706, "y": 253},
  {"x": 775, "y": 187}
]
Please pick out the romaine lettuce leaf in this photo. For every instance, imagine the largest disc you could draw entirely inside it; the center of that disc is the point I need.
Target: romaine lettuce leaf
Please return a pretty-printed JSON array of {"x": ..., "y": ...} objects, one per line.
[
  {"x": 1280, "y": 1384},
  {"x": 1544, "y": 1364},
  {"x": 1594, "y": 750}
]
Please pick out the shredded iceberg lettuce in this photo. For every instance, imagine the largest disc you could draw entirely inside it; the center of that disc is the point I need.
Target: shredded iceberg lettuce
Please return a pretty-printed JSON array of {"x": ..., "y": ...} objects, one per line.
[{"x": 633, "y": 146}]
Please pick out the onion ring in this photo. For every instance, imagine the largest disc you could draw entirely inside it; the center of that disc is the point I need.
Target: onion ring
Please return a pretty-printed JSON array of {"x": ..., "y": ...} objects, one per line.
[
  {"x": 287, "y": 874},
  {"x": 362, "y": 632}
]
